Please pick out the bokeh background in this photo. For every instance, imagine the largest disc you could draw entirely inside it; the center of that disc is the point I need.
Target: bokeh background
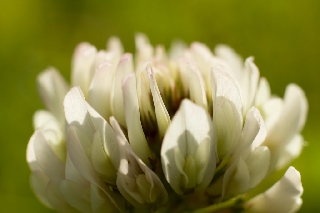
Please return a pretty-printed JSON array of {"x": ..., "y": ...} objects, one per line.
[{"x": 284, "y": 37}]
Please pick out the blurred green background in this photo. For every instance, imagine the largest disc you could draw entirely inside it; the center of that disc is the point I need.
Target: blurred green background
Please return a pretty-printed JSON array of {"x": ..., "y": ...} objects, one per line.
[{"x": 284, "y": 37}]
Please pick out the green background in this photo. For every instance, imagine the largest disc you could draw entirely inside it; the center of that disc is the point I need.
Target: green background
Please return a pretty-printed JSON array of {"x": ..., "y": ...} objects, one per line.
[{"x": 283, "y": 35}]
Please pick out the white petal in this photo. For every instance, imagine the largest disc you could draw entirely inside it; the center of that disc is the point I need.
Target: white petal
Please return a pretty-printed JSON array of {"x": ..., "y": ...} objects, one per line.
[
  {"x": 249, "y": 83},
  {"x": 136, "y": 136},
  {"x": 190, "y": 127},
  {"x": 77, "y": 113},
  {"x": 101, "y": 161},
  {"x": 57, "y": 200},
  {"x": 258, "y": 164},
  {"x": 80, "y": 159},
  {"x": 291, "y": 151},
  {"x": 284, "y": 196},
  {"x": 73, "y": 174},
  {"x": 227, "y": 87},
  {"x": 253, "y": 134},
  {"x": 50, "y": 164},
  {"x": 293, "y": 115},
  {"x": 52, "y": 88},
  {"x": 115, "y": 47},
  {"x": 39, "y": 182},
  {"x": 144, "y": 94},
  {"x": 100, "y": 89},
  {"x": 193, "y": 82},
  {"x": 162, "y": 115},
  {"x": 144, "y": 48},
  {"x": 136, "y": 182},
  {"x": 231, "y": 58},
  {"x": 86, "y": 169},
  {"x": 75, "y": 195},
  {"x": 82, "y": 63},
  {"x": 236, "y": 179},
  {"x": 263, "y": 92},
  {"x": 31, "y": 156},
  {"x": 100, "y": 202},
  {"x": 125, "y": 67}
]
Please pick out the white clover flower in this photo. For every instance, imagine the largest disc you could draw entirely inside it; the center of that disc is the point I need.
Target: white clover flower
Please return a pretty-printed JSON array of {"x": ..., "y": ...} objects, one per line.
[{"x": 187, "y": 131}]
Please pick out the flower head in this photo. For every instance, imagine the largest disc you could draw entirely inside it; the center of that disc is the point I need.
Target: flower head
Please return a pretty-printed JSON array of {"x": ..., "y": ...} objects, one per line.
[{"x": 187, "y": 131}]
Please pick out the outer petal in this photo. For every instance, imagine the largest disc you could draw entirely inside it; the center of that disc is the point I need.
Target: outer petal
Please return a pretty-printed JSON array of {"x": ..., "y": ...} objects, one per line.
[
  {"x": 193, "y": 82},
  {"x": 136, "y": 136},
  {"x": 82, "y": 62},
  {"x": 136, "y": 182},
  {"x": 162, "y": 115},
  {"x": 76, "y": 195},
  {"x": 284, "y": 196},
  {"x": 39, "y": 182},
  {"x": 86, "y": 169},
  {"x": 52, "y": 88},
  {"x": 100, "y": 89},
  {"x": 191, "y": 126},
  {"x": 227, "y": 110},
  {"x": 125, "y": 67}
]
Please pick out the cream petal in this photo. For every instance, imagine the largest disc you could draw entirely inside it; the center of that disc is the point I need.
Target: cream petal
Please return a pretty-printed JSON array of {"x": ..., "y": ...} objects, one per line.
[
  {"x": 190, "y": 127},
  {"x": 124, "y": 67},
  {"x": 115, "y": 47},
  {"x": 253, "y": 134},
  {"x": 228, "y": 126},
  {"x": 80, "y": 159},
  {"x": 100, "y": 202},
  {"x": 162, "y": 115},
  {"x": 49, "y": 163},
  {"x": 227, "y": 87},
  {"x": 249, "y": 83},
  {"x": 284, "y": 196},
  {"x": 236, "y": 179},
  {"x": 72, "y": 174},
  {"x": 144, "y": 94},
  {"x": 76, "y": 112},
  {"x": 144, "y": 50},
  {"x": 31, "y": 156},
  {"x": 263, "y": 92},
  {"x": 101, "y": 86},
  {"x": 75, "y": 195},
  {"x": 39, "y": 181},
  {"x": 102, "y": 162},
  {"x": 86, "y": 169},
  {"x": 52, "y": 88},
  {"x": 292, "y": 117},
  {"x": 82, "y": 62},
  {"x": 291, "y": 151},
  {"x": 258, "y": 164},
  {"x": 136, "y": 182},
  {"x": 193, "y": 82},
  {"x": 56, "y": 199},
  {"x": 136, "y": 136},
  {"x": 231, "y": 58}
]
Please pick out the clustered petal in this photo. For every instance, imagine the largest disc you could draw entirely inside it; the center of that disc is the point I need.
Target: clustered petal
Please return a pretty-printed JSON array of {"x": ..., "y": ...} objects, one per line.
[{"x": 188, "y": 131}]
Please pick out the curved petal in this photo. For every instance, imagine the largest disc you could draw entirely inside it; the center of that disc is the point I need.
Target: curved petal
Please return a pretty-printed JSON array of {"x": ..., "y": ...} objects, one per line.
[
  {"x": 193, "y": 82},
  {"x": 136, "y": 182},
  {"x": 76, "y": 195},
  {"x": 82, "y": 62},
  {"x": 52, "y": 88},
  {"x": 136, "y": 136},
  {"x": 191, "y": 126},
  {"x": 284, "y": 196},
  {"x": 49, "y": 163},
  {"x": 39, "y": 182},
  {"x": 124, "y": 67},
  {"x": 101, "y": 86},
  {"x": 162, "y": 115}
]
